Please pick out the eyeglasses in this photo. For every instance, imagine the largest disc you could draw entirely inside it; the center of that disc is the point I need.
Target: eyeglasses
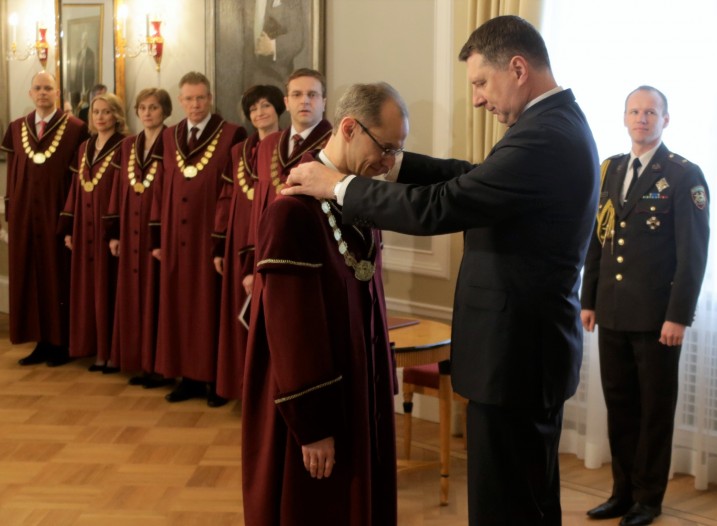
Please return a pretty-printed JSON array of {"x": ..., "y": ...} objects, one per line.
[{"x": 385, "y": 151}]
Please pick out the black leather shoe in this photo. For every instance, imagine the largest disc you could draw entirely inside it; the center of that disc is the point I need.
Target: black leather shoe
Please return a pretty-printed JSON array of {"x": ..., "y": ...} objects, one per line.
[
  {"x": 640, "y": 514},
  {"x": 59, "y": 355},
  {"x": 614, "y": 507},
  {"x": 157, "y": 380},
  {"x": 187, "y": 389},
  {"x": 39, "y": 354},
  {"x": 109, "y": 369},
  {"x": 96, "y": 368},
  {"x": 138, "y": 380},
  {"x": 213, "y": 399}
]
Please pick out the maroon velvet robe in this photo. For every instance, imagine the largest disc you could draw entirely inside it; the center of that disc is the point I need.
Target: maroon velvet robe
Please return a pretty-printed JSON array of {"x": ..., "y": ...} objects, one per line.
[
  {"x": 35, "y": 196},
  {"x": 318, "y": 364},
  {"x": 137, "y": 305},
  {"x": 272, "y": 168},
  {"x": 231, "y": 234},
  {"x": 94, "y": 271},
  {"x": 184, "y": 210}
]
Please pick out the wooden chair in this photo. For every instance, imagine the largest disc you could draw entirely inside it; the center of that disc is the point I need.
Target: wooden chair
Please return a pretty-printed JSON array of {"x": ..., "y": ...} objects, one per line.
[{"x": 424, "y": 379}]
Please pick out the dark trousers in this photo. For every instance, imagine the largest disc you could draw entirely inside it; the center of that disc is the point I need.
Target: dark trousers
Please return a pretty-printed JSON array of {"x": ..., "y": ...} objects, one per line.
[
  {"x": 513, "y": 475},
  {"x": 639, "y": 380}
]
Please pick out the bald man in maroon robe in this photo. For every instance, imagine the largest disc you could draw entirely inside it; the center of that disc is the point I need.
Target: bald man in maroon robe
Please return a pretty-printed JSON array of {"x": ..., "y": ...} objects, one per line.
[
  {"x": 318, "y": 438},
  {"x": 196, "y": 155},
  {"x": 42, "y": 154}
]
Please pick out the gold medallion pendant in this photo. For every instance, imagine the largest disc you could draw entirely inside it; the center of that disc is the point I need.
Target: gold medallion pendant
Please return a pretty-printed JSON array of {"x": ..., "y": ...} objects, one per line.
[
  {"x": 39, "y": 158},
  {"x": 138, "y": 187},
  {"x": 88, "y": 186},
  {"x": 190, "y": 172},
  {"x": 364, "y": 270}
]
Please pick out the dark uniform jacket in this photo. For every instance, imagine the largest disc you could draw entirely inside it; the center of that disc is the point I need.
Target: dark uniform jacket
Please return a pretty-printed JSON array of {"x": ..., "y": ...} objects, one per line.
[
  {"x": 650, "y": 269},
  {"x": 527, "y": 212}
]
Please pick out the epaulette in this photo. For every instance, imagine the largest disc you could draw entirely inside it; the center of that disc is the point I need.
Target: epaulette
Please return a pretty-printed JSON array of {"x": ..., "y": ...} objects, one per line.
[{"x": 678, "y": 159}]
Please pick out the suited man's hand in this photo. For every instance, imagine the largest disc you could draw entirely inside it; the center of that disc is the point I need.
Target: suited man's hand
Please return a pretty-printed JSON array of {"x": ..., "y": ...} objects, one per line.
[
  {"x": 265, "y": 46},
  {"x": 672, "y": 333},
  {"x": 313, "y": 179},
  {"x": 588, "y": 319}
]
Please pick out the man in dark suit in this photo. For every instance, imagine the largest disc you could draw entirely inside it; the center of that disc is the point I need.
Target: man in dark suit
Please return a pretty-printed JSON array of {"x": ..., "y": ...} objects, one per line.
[
  {"x": 527, "y": 212},
  {"x": 642, "y": 278},
  {"x": 278, "y": 37},
  {"x": 84, "y": 73}
]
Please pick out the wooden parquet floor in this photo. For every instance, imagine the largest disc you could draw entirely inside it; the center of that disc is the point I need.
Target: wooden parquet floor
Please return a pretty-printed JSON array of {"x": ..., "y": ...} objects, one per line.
[{"x": 86, "y": 449}]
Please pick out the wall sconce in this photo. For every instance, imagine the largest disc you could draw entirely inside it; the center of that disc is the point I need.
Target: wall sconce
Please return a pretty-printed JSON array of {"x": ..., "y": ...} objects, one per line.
[
  {"x": 153, "y": 44},
  {"x": 39, "y": 48}
]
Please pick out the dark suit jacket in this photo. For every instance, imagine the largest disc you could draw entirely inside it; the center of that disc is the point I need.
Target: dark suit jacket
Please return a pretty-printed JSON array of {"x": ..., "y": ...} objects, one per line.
[
  {"x": 284, "y": 21},
  {"x": 651, "y": 269},
  {"x": 527, "y": 212}
]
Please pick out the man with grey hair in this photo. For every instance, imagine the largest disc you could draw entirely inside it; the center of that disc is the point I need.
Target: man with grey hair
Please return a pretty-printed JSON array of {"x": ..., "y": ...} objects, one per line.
[
  {"x": 526, "y": 212},
  {"x": 319, "y": 375}
]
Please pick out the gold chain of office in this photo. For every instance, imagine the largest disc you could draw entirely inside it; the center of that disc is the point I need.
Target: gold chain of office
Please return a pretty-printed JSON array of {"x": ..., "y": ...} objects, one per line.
[
  {"x": 363, "y": 269},
  {"x": 41, "y": 157},
  {"x": 191, "y": 171},
  {"x": 139, "y": 186},
  {"x": 88, "y": 186}
]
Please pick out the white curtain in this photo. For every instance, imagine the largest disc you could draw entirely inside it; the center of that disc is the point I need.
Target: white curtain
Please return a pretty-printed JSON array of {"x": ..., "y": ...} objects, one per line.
[{"x": 599, "y": 50}]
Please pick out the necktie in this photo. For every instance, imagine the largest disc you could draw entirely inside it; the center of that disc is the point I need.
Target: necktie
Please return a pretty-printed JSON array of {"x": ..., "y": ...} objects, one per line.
[
  {"x": 193, "y": 139},
  {"x": 41, "y": 129},
  {"x": 635, "y": 169},
  {"x": 298, "y": 139}
]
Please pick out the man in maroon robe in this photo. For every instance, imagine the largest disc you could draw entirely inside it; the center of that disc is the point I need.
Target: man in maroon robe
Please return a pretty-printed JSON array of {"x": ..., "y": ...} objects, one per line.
[
  {"x": 196, "y": 155},
  {"x": 279, "y": 152},
  {"x": 42, "y": 154},
  {"x": 318, "y": 441}
]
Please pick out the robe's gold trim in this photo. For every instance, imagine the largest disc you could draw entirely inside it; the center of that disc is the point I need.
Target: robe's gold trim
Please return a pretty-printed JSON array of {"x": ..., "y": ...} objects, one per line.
[
  {"x": 289, "y": 262},
  {"x": 307, "y": 391}
]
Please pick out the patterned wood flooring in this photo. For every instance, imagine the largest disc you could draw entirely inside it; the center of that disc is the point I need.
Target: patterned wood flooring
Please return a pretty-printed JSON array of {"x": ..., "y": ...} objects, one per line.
[{"x": 83, "y": 449}]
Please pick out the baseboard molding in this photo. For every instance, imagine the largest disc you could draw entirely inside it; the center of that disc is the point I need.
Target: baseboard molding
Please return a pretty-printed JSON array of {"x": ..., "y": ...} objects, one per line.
[{"x": 426, "y": 310}]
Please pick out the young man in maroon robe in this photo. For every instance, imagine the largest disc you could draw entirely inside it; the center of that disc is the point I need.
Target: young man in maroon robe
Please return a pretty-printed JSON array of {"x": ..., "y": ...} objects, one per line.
[
  {"x": 42, "y": 154},
  {"x": 196, "y": 156},
  {"x": 305, "y": 101},
  {"x": 318, "y": 441}
]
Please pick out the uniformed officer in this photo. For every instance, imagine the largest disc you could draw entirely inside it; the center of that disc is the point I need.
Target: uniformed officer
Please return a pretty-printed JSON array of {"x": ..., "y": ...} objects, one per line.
[{"x": 642, "y": 278}]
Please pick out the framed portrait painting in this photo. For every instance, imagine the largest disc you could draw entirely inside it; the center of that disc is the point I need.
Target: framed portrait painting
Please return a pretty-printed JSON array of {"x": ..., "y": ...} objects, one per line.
[
  {"x": 82, "y": 48},
  {"x": 263, "y": 42}
]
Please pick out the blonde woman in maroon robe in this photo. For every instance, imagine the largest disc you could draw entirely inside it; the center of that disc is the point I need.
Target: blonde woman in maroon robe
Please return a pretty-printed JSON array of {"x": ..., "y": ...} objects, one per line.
[
  {"x": 318, "y": 438},
  {"x": 262, "y": 105},
  {"x": 94, "y": 270},
  {"x": 197, "y": 153},
  {"x": 127, "y": 224},
  {"x": 41, "y": 158},
  {"x": 306, "y": 102}
]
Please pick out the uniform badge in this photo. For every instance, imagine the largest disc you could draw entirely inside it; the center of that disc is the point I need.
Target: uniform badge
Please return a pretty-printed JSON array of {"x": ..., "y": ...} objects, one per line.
[
  {"x": 662, "y": 184},
  {"x": 653, "y": 223},
  {"x": 699, "y": 196}
]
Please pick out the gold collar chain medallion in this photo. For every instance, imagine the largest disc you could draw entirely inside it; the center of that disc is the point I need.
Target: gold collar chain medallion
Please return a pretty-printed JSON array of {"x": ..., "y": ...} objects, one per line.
[
  {"x": 191, "y": 171},
  {"x": 363, "y": 269},
  {"x": 243, "y": 184},
  {"x": 88, "y": 186},
  {"x": 137, "y": 185},
  {"x": 41, "y": 157},
  {"x": 274, "y": 166}
]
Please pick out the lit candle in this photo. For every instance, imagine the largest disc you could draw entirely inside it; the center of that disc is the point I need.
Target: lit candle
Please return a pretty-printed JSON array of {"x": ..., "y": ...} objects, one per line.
[
  {"x": 122, "y": 19},
  {"x": 146, "y": 26},
  {"x": 13, "y": 23}
]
